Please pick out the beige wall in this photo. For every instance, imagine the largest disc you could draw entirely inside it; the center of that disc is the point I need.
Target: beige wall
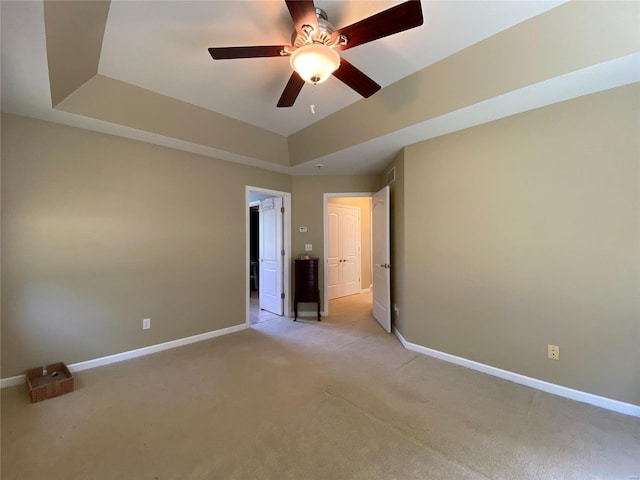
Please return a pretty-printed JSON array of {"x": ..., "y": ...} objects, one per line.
[
  {"x": 526, "y": 232},
  {"x": 99, "y": 232},
  {"x": 307, "y": 211},
  {"x": 364, "y": 204},
  {"x": 506, "y": 237}
]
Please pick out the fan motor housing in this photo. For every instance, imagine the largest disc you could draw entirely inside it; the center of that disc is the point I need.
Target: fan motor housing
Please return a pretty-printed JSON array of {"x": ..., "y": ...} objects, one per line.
[{"x": 323, "y": 36}]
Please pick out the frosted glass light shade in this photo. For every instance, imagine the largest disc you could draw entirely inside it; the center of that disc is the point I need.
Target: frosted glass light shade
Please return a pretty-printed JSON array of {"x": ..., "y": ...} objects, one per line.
[{"x": 315, "y": 63}]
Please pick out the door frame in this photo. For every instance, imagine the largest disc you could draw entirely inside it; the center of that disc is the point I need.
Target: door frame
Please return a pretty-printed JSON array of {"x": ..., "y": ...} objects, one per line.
[
  {"x": 286, "y": 245},
  {"x": 325, "y": 233}
]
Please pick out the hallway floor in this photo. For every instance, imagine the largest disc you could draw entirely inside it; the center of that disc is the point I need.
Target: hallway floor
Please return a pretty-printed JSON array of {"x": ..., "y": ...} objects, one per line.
[{"x": 256, "y": 315}]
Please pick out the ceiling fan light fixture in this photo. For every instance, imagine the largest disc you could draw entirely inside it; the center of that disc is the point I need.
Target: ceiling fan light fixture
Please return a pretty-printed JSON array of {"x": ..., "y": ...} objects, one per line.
[{"x": 315, "y": 63}]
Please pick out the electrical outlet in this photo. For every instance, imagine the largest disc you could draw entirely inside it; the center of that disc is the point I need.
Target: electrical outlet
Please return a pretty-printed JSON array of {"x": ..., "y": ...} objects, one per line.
[
  {"x": 308, "y": 247},
  {"x": 396, "y": 309},
  {"x": 146, "y": 324},
  {"x": 553, "y": 352}
]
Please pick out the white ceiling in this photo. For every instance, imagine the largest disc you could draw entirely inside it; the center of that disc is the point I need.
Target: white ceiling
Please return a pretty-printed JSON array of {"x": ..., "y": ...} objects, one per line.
[{"x": 162, "y": 46}]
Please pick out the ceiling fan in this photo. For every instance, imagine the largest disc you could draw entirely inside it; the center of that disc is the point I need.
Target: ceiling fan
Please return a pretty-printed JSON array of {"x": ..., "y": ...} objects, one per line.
[{"x": 313, "y": 52}]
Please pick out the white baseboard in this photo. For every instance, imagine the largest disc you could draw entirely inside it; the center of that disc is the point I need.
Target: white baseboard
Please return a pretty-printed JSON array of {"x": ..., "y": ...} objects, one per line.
[
  {"x": 365, "y": 290},
  {"x": 119, "y": 357},
  {"x": 12, "y": 381},
  {"x": 598, "y": 401}
]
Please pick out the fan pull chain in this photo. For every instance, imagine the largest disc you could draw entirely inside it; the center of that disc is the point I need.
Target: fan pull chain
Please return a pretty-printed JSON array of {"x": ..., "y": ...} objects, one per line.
[{"x": 312, "y": 105}]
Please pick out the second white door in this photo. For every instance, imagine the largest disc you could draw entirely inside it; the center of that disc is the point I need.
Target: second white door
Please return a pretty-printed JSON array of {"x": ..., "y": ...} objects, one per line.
[
  {"x": 381, "y": 259},
  {"x": 343, "y": 256},
  {"x": 271, "y": 255}
]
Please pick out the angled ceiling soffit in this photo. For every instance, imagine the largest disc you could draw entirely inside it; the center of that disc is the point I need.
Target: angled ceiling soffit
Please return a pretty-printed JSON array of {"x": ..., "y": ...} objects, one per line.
[
  {"x": 567, "y": 38},
  {"x": 74, "y": 32},
  {"x": 71, "y": 62}
]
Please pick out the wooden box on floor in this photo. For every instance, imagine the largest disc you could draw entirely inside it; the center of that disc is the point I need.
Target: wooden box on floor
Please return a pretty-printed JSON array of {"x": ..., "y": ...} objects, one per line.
[{"x": 57, "y": 381}]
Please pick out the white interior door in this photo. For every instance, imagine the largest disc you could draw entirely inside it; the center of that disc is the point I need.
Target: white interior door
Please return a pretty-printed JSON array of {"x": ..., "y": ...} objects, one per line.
[
  {"x": 343, "y": 251},
  {"x": 350, "y": 250},
  {"x": 334, "y": 263},
  {"x": 381, "y": 259},
  {"x": 271, "y": 255}
]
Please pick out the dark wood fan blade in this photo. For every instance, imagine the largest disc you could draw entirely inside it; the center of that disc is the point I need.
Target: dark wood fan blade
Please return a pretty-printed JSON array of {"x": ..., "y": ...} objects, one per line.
[
  {"x": 397, "y": 19},
  {"x": 227, "y": 53},
  {"x": 354, "y": 78},
  {"x": 291, "y": 91},
  {"x": 303, "y": 12}
]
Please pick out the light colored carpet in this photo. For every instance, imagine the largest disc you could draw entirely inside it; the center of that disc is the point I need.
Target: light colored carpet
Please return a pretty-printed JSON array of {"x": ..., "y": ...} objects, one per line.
[{"x": 339, "y": 399}]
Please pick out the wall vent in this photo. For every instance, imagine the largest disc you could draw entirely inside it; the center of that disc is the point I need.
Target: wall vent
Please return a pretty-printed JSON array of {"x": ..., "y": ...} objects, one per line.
[{"x": 391, "y": 176}]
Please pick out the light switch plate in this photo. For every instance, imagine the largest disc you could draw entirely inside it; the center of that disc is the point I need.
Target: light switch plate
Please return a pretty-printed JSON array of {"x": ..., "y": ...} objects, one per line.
[
  {"x": 308, "y": 247},
  {"x": 302, "y": 229}
]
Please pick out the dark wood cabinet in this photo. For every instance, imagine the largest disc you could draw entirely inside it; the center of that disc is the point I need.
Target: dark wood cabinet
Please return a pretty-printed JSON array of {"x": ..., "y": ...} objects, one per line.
[{"x": 306, "y": 284}]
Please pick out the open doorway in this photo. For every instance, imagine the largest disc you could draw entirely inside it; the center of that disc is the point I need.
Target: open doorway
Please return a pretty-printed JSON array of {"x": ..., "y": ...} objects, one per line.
[
  {"x": 347, "y": 245},
  {"x": 268, "y": 243}
]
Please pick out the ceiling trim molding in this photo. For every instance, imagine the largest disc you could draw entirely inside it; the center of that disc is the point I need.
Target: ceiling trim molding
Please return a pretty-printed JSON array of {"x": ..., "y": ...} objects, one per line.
[
  {"x": 121, "y": 103},
  {"x": 500, "y": 76}
]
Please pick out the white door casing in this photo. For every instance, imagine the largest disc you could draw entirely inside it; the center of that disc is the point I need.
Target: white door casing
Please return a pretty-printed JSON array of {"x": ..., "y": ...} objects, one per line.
[
  {"x": 271, "y": 255},
  {"x": 381, "y": 259},
  {"x": 343, "y": 251}
]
